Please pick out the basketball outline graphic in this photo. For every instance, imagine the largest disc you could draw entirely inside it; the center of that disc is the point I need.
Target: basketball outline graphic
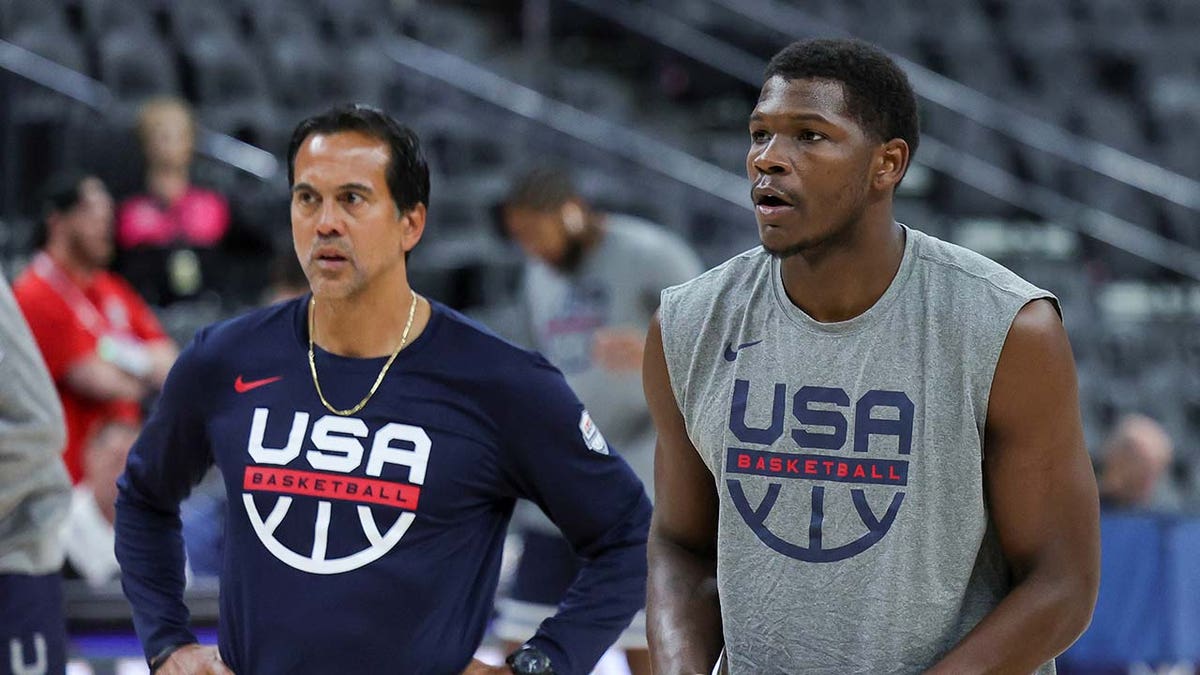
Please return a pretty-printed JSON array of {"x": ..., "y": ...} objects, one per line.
[
  {"x": 858, "y": 469},
  {"x": 380, "y": 546}
]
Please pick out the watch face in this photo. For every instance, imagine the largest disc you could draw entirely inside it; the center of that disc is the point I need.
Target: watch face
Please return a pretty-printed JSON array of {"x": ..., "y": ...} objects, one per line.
[{"x": 530, "y": 661}]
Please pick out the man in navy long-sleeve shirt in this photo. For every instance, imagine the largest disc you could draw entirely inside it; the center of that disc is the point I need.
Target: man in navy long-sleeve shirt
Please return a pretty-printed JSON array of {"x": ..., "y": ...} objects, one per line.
[{"x": 373, "y": 444}]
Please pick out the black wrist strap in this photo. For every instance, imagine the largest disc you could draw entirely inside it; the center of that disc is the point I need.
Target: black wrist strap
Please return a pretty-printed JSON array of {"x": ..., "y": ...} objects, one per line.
[{"x": 160, "y": 658}]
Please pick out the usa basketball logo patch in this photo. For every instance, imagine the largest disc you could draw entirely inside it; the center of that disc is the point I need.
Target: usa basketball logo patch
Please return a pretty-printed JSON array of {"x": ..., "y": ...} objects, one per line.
[{"x": 592, "y": 437}]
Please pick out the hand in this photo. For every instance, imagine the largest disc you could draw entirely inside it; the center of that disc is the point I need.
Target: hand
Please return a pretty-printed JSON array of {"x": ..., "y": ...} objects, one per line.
[
  {"x": 619, "y": 349},
  {"x": 477, "y": 667},
  {"x": 195, "y": 660}
]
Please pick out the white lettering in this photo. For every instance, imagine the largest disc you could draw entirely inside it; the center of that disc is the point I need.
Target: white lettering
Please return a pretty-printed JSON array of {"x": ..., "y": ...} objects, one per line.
[
  {"x": 16, "y": 654},
  {"x": 336, "y": 450},
  {"x": 415, "y": 459},
  {"x": 279, "y": 456}
]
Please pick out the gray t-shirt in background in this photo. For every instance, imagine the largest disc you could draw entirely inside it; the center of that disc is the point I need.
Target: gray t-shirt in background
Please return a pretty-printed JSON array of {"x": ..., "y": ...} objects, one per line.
[
  {"x": 616, "y": 286},
  {"x": 853, "y": 534},
  {"x": 35, "y": 491}
]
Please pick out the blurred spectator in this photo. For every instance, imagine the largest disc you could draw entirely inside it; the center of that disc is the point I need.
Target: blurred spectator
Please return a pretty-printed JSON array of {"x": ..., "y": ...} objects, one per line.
[
  {"x": 1134, "y": 470},
  {"x": 287, "y": 278},
  {"x": 104, "y": 347},
  {"x": 168, "y": 236},
  {"x": 88, "y": 534},
  {"x": 591, "y": 286},
  {"x": 33, "y": 501},
  {"x": 203, "y": 513}
]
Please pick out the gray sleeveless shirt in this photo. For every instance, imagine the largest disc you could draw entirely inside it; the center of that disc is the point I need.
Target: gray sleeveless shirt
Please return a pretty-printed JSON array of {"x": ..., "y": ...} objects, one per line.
[{"x": 854, "y": 534}]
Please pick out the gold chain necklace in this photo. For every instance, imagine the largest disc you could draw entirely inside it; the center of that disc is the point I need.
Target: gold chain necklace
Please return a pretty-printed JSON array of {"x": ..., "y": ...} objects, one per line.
[{"x": 312, "y": 362}]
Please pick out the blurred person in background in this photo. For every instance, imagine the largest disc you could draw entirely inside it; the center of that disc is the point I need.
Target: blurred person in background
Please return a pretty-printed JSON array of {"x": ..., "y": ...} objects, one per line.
[
  {"x": 202, "y": 514},
  {"x": 34, "y": 499},
  {"x": 103, "y": 345},
  {"x": 88, "y": 534},
  {"x": 591, "y": 285},
  {"x": 286, "y": 279},
  {"x": 167, "y": 236},
  {"x": 1135, "y": 469}
]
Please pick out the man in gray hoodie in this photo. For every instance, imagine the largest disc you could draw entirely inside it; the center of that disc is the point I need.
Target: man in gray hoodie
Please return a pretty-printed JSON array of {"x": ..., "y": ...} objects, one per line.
[{"x": 35, "y": 494}]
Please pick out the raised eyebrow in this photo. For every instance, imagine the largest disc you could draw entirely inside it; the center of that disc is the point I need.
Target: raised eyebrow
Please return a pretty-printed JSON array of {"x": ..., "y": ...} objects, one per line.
[
  {"x": 793, "y": 117},
  {"x": 357, "y": 187},
  {"x": 302, "y": 187}
]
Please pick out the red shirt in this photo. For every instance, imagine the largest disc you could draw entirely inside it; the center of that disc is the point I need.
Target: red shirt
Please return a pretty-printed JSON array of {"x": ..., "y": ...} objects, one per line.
[
  {"x": 198, "y": 218},
  {"x": 68, "y": 321}
]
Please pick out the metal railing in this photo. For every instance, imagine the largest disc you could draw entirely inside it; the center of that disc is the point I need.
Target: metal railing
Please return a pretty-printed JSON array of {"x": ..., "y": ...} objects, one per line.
[
  {"x": 789, "y": 21},
  {"x": 968, "y": 169},
  {"x": 97, "y": 96},
  {"x": 598, "y": 132}
]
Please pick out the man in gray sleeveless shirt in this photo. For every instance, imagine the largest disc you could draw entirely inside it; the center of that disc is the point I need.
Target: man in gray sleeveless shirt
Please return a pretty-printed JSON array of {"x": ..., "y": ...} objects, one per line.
[
  {"x": 35, "y": 494},
  {"x": 870, "y": 456}
]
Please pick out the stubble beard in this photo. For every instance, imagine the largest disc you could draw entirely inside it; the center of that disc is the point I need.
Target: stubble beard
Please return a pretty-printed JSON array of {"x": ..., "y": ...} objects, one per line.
[{"x": 839, "y": 234}]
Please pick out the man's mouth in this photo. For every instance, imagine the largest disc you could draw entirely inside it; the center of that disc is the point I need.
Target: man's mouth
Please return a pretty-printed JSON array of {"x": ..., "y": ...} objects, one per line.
[
  {"x": 768, "y": 201},
  {"x": 771, "y": 200},
  {"x": 327, "y": 259}
]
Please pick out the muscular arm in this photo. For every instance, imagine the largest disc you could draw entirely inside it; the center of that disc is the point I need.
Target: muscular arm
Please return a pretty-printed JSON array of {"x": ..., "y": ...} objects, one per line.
[
  {"x": 1042, "y": 499},
  {"x": 683, "y": 611}
]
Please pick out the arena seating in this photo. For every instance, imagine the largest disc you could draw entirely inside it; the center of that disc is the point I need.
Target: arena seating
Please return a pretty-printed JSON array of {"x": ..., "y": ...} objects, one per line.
[{"x": 1124, "y": 74}]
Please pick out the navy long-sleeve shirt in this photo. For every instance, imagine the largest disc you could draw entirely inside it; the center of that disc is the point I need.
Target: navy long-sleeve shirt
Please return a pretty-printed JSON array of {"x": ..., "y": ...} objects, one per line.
[{"x": 371, "y": 543}]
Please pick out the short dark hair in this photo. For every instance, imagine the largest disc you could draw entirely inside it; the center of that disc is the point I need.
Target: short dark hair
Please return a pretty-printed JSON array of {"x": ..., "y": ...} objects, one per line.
[
  {"x": 877, "y": 93},
  {"x": 542, "y": 188},
  {"x": 61, "y": 192},
  {"x": 407, "y": 172}
]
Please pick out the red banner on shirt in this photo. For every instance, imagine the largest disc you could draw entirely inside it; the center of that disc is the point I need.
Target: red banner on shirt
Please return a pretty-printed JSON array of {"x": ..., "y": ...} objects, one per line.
[{"x": 332, "y": 486}]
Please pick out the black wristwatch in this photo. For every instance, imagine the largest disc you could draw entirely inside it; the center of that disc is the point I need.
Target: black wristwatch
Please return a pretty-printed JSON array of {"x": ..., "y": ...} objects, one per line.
[{"x": 529, "y": 660}]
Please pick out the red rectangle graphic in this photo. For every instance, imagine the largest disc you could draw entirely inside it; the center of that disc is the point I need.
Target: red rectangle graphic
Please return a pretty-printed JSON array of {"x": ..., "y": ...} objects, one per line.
[{"x": 332, "y": 486}]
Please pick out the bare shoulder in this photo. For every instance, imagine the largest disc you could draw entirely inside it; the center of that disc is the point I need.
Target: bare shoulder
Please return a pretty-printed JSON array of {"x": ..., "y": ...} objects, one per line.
[
  {"x": 1038, "y": 320},
  {"x": 1034, "y": 390}
]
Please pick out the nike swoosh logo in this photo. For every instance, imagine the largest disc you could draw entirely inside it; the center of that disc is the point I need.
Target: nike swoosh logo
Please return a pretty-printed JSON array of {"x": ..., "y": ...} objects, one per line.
[
  {"x": 241, "y": 386},
  {"x": 731, "y": 353}
]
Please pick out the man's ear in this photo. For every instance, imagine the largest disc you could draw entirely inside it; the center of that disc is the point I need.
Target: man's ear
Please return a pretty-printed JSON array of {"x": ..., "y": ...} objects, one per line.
[
  {"x": 891, "y": 163},
  {"x": 413, "y": 227},
  {"x": 573, "y": 217}
]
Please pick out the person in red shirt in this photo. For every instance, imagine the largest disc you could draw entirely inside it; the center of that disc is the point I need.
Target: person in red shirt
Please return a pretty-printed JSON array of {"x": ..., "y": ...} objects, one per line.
[
  {"x": 167, "y": 233},
  {"x": 104, "y": 347}
]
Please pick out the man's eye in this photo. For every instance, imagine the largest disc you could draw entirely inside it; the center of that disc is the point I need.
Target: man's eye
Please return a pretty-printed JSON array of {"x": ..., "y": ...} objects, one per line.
[
  {"x": 811, "y": 136},
  {"x": 759, "y": 136}
]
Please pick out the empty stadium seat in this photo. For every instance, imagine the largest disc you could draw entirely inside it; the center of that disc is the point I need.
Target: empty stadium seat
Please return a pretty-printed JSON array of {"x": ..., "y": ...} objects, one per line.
[
  {"x": 101, "y": 17},
  {"x": 18, "y": 15},
  {"x": 301, "y": 75},
  {"x": 136, "y": 66},
  {"x": 190, "y": 17},
  {"x": 30, "y": 102}
]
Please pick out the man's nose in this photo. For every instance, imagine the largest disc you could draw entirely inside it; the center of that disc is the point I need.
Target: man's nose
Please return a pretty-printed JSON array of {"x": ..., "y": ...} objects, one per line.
[{"x": 770, "y": 159}]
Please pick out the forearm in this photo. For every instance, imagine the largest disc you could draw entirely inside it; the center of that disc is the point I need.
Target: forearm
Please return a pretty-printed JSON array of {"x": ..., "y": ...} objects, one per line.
[
  {"x": 683, "y": 610},
  {"x": 149, "y": 546},
  {"x": 1037, "y": 621},
  {"x": 162, "y": 356},
  {"x": 609, "y": 589},
  {"x": 102, "y": 381}
]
